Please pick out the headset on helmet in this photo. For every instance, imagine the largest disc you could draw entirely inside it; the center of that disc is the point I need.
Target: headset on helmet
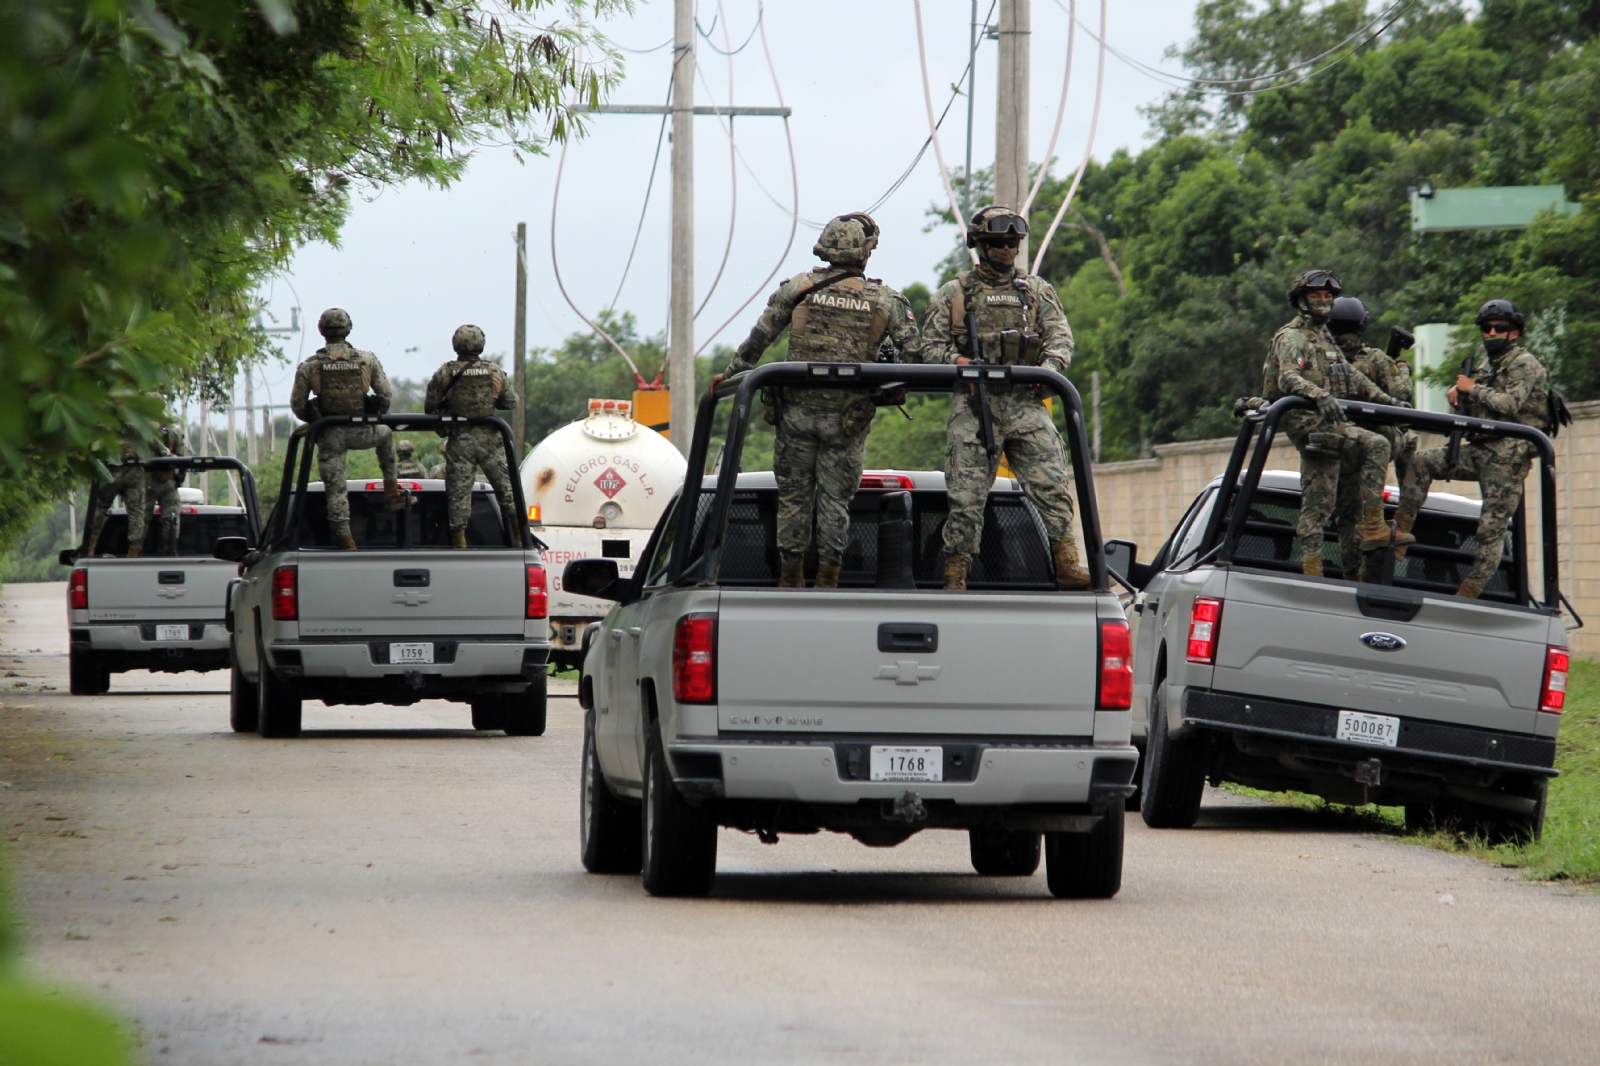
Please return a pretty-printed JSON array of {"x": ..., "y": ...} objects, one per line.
[
  {"x": 1500, "y": 309},
  {"x": 1349, "y": 315},
  {"x": 468, "y": 340},
  {"x": 1313, "y": 279}
]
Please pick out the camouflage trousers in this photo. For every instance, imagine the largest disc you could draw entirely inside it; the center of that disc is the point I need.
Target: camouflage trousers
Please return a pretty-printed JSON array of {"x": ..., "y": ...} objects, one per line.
[
  {"x": 1352, "y": 454},
  {"x": 465, "y": 451},
  {"x": 1403, "y": 452},
  {"x": 1499, "y": 467},
  {"x": 1024, "y": 433},
  {"x": 817, "y": 462},
  {"x": 332, "y": 444},
  {"x": 163, "y": 492},
  {"x": 131, "y": 483}
]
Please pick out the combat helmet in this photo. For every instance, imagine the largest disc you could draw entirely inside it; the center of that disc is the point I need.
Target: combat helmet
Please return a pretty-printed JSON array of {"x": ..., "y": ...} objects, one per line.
[
  {"x": 334, "y": 324},
  {"x": 404, "y": 449},
  {"x": 468, "y": 340},
  {"x": 1501, "y": 309},
  {"x": 1313, "y": 279},
  {"x": 847, "y": 240},
  {"x": 995, "y": 223},
  {"x": 1349, "y": 315}
]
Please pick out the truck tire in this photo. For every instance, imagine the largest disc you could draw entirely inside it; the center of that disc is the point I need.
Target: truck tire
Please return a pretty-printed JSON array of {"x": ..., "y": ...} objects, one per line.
[
  {"x": 243, "y": 714},
  {"x": 277, "y": 704},
  {"x": 679, "y": 841},
  {"x": 86, "y": 675},
  {"x": 1001, "y": 853},
  {"x": 1495, "y": 826},
  {"x": 522, "y": 714},
  {"x": 1087, "y": 865},
  {"x": 1174, "y": 772},
  {"x": 488, "y": 711},
  {"x": 608, "y": 831}
]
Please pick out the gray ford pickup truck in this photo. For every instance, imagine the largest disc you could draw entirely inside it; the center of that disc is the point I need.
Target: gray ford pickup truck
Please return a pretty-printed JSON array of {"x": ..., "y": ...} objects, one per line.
[
  {"x": 402, "y": 619},
  {"x": 1390, "y": 690},
  {"x": 163, "y": 611},
  {"x": 878, "y": 709}
]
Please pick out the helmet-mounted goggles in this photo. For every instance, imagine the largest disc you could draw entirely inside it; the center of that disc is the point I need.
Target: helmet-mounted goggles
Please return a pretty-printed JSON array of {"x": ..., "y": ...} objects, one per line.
[{"x": 998, "y": 225}]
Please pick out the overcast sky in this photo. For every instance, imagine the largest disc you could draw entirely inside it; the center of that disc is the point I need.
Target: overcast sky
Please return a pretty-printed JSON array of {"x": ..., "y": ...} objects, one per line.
[{"x": 415, "y": 262}]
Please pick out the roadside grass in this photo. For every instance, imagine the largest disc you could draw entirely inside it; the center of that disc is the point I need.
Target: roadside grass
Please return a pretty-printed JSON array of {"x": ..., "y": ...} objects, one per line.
[{"x": 1569, "y": 850}]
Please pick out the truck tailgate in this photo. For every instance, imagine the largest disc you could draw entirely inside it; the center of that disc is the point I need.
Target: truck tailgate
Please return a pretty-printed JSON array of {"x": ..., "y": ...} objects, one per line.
[
  {"x": 1463, "y": 662},
  {"x": 808, "y": 661},
  {"x": 154, "y": 588},
  {"x": 412, "y": 593}
]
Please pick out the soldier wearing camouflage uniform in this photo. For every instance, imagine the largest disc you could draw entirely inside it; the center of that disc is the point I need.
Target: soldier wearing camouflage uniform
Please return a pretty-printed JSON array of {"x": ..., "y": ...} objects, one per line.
[
  {"x": 1510, "y": 386},
  {"x": 335, "y": 381},
  {"x": 1393, "y": 379},
  {"x": 163, "y": 489},
  {"x": 1019, "y": 322},
  {"x": 473, "y": 388},
  {"x": 835, "y": 314},
  {"x": 128, "y": 480},
  {"x": 407, "y": 466},
  {"x": 1305, "y": 361}
]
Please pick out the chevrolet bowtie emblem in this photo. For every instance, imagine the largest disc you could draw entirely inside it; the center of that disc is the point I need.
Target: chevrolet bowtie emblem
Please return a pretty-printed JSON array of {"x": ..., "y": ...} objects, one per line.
[
  {"x": 907, "y": 672},
  {"x": 170, "y": 594},
  {"x": 412, "y": 599}
]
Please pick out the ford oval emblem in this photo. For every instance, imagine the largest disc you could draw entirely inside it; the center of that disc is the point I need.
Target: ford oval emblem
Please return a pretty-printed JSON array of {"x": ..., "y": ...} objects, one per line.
[{"x": 1382, "y": 641}]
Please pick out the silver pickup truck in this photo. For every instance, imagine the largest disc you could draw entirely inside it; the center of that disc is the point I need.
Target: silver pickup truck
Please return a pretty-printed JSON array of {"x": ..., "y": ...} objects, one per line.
[
  {"x": 402, "y": 619},
  {"x": 878, "y": 709},
  {"x": 1390, "y": 690},
  {"x": 164, "y": 610}
]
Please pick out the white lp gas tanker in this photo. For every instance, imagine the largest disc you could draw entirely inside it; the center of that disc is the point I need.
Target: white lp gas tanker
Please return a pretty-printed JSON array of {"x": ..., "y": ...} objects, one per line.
[{"x": 596, "y": 489}]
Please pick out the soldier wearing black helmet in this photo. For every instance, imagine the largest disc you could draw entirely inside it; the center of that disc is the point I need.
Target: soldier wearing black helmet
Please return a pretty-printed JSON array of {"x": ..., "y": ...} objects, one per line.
[
  {"x": 1019, "y": 321},
  {"x": 1305, "y": 361},
  {"x": 1510, "y": 385}
]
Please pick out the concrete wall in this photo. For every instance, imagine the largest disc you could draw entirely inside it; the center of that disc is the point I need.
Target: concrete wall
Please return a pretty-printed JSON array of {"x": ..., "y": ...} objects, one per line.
[{"x": 1143, "y": 499}]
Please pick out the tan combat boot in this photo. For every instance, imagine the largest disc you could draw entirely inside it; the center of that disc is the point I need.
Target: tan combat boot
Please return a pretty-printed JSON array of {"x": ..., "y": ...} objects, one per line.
[
  {"x": 1311, "y": 566},
  {"x": 1375, "y": 531},
  {"x": 135, "y": 550},
  {"x": 1470, "y": 589},
  {"x": 345, "y": 541},
  {"x": 827, "y": 576},
  {"x": 1404, "y": 522},
  {"x": 1070, "y": 575},
  {"x": 792, "y": 574},
  {"x": 392, "y": 499},
  {"x": 955, "y": 574},
  {"x": 458, "y": 538}
]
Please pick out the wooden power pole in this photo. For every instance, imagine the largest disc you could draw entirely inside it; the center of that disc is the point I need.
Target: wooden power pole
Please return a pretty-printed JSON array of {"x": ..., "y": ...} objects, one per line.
[
  {"x": 519, "y": 351},
  {"x": 1011, "y": 109},
  {"x": 681, "y": 332}
]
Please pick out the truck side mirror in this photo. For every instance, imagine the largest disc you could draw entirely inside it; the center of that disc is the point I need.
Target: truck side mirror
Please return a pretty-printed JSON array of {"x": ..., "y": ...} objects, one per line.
[
  {"x": 592, "y": 577},
  {"x": 230, "y": 549},
  {"x": 1121, "y": 559},
  {"x": 68, "y": 556}
]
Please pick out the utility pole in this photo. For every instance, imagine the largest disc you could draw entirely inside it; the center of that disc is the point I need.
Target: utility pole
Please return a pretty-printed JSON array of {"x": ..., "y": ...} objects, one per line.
[
  {"x": 972, "y": 75},
  {"x": 1011, "y": 109},
  {"x": 1094, "y": 386},
  {"x": 681, "y": 349},
  {"x": 250, "y": 417},
  {"x": 233, "y": 448},
  {"x": 519, "y": 344}
]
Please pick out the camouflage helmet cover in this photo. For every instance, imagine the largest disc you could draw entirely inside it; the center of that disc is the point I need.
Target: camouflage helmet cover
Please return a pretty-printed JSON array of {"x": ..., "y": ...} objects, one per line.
[
  {"x": 1313, "y": 279},
  {"x": 334, "y": 323},
  {"x": 995, "y": 222},
  {"x": 847, "y": 240},
  {"x": 404, "y": 449},
  {"x": 468, "y": 340}
]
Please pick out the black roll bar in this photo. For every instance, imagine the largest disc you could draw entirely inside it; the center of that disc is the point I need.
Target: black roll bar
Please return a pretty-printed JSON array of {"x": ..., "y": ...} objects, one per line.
[
  {"x": 1381, "y": 414},
  {"x": 297, "y": 465},
  {"x": 185, "y": 463},
  {"x": 914, "y": 377}
]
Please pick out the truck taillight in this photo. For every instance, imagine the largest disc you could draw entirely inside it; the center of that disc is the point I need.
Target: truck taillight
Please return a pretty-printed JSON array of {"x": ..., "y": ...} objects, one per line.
[
  {"x": 1553, "y": 693},
  {"x": 538, "y": 597},
  {"x": 1205, "y": 618},
  {"x": 286, "y": 593},
  {"x": 694, "y": 659},
  {"x": 78, "y": 590},
  {"x": 1116, "y": 667}
]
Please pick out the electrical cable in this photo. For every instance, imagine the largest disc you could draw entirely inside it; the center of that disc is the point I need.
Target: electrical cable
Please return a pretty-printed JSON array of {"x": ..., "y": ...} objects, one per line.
[
  {"x": 655, "y": 162},
  {"x": 1094, "y": 123},
  {"x": 1061, "y": 112},
  {"x": 733, "y": 163},
  {"x": 641, "y": 51},
  {"x": 724, "y": 20},
  {"x": 933, "y": 128}
]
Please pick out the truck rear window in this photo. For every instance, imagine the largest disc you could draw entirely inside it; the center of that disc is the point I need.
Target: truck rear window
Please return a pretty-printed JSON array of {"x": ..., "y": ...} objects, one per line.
[
  {"x": 197, "y": 534},
  {"x": 1013, "y": 553},
  {"x": 373, "y": 527}
]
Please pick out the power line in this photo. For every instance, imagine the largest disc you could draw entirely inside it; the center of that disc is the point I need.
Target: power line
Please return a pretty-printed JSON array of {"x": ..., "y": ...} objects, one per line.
[
  {"x": 707, "y": 34},
  {"x": 651, "y": 184}
]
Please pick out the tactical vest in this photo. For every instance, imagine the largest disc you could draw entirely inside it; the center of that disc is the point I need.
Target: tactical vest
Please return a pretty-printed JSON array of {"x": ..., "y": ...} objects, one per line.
[
  {"x": 1313, "y": 369},
  {"x": 473, "y": 388},
  {"x": 1535, "y": 410},
  {"x": 340, "y": 380},
  {"x": 1008, "y": 319},
  {"x": 840, "y": 323}
]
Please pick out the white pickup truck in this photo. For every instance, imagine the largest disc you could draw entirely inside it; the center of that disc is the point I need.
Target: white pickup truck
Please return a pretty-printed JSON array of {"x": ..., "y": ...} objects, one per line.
[
  {"x": 878, "y": 709},
  {"x": 402, "y": 619},
  {"x": 1391, "y": 690},
  {"x": 163, "y": 611}
]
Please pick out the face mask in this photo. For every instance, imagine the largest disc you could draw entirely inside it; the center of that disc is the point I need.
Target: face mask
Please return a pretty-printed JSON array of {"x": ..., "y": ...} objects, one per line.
[
  {"x": 1496, "y": 345},
  {"x": 1350, "y": 343},
  {"x": 1000, "y": 255},
  {"x": 1315, "y": 312}
]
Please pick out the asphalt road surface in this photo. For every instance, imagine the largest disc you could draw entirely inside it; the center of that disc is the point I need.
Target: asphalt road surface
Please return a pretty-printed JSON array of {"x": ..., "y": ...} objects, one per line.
[{"x": 393, "y": 888}]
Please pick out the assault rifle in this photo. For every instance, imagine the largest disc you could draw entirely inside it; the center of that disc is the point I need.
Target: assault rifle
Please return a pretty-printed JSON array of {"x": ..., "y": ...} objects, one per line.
[
  {"x": 981, "y": 391},
  {"x": 1452, "y": 450}
]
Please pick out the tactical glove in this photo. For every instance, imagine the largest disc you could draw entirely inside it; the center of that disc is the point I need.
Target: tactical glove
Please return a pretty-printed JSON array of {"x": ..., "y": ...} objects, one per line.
[
  {"x": 1401, "y": 404},
  {"x": 1329, "y": 408}
]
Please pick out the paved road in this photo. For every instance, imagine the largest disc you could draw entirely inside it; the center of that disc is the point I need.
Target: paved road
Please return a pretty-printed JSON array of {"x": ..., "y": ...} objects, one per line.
[{"x": 393, "y": 888}]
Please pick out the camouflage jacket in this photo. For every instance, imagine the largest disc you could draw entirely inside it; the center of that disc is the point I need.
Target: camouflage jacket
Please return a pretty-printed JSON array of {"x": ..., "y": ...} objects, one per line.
[
  {"x": 998, "y": 306},
  {"x": 472, "y": 387},
  {"x": 1393, "y": 376},
  {"x": 130, "y": 447},
  {"x": 1305, "y": 361},
  {"x": 900, "y": 328},
  {"x": 1512, "y": 388},
  {"x": 311, "y": 380}
]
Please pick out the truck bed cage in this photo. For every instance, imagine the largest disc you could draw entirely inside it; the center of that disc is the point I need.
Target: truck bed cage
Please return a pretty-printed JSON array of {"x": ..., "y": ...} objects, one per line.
[
  {"x": 185, "y": 463},
  {"x": 915, "y": 377},
  {"x": 1234, "y": 491},
  {"x": 297, "y": 466}
]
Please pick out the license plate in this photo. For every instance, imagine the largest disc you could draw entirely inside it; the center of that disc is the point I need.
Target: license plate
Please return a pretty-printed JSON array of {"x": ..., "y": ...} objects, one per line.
[
  {"x": 172, "y": 632},
  {"x": 1378, "y": 729},
  {"x": 411, "y": 653},
  {"x": 907, "y": 764}
]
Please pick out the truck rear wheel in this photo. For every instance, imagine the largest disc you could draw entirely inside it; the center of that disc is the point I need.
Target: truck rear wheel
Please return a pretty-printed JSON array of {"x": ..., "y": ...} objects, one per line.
[
  {"x": 680, "y": 841},
  {"x": 1174, "y": 772},
  {"x": 1002, "y": 853},
  {"x": 608, "y": 832},
  {"x": 1087, "y": 865},
  {"x": 277, "y": 704},
  {"x": 86, "y": 675},
  {"x": 243, "y": 714},
  {"x": 522, "y": 714},
  {"x": 488, "y": 711}
]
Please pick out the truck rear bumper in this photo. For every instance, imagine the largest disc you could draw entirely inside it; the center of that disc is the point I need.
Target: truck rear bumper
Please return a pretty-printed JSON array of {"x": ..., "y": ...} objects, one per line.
[
  {"x": 133, "y": 646},
  {"x": 836, "y": 771},
  {"x": 369, "y": 659}
]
